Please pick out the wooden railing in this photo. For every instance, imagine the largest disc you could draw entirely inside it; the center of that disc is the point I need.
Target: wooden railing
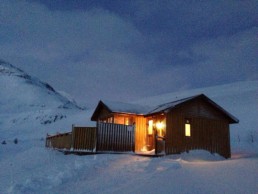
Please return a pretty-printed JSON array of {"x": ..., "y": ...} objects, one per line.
[
  {"x": 84, "y": 139},
  {"x": 115, "y": 137},
  {"x": 106, "y": 137},
  {"x": 81, "y": 139},
  {"x": 61, "y": 141}
]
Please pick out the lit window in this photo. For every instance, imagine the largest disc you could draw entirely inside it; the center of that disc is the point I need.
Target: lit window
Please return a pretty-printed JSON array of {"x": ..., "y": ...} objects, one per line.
[
  {"x": 126, "y": 121},
  {"x": 160, "y": 125},
  {"x": 187, "y": 129},
  {"x": 150, "y": 127},
  {"x": 160, "y": 128}
]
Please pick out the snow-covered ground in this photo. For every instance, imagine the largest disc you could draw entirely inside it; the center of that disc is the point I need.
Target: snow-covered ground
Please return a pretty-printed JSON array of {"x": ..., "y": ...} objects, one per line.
[{"x": 28, "y": 167}]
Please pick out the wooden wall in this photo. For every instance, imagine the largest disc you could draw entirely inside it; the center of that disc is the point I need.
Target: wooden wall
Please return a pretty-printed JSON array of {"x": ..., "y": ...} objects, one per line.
[
  {"x": 209, "y": 129},
  {"x": 140, "y": 132},
  {"x": 140, "y": 127},
  {"x": 84, "y": 139},
  {"x": 59, "y": 141},
  {"x": 115, "y": 137},
  {"x": 105, "y": 114},
  {"x": 81, "y": 139}
]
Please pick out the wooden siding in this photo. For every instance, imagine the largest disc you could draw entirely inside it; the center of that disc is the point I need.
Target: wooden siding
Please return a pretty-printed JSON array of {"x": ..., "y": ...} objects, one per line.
[
  {"x": 209, "y": 130},
  {"x": 104, "y": 114},
  {"x": 160, "y": 145},
  {"x": 200, "y": 108},
  {"x": 140, "y": 132},
  {"x": 84, "y": 139},
  {"x": 115, "y": 137},
  {"x": 81, "y": 139}
]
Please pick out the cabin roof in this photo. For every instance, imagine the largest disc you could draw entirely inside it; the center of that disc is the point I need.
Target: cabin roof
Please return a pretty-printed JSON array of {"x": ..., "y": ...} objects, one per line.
[
  {"x": 171, "y": 105},
  {"x": 128, "y": 108},
  {"x": 120, "y": 107}
]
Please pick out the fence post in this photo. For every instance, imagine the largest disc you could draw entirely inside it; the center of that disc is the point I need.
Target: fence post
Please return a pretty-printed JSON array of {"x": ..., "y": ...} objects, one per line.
[
  {"x": 46, "y": 143},
  {"x": 73, "y": 137},
  {"x": 132, "y": 137},
  {"x": 97, "y": 128},
  {"x": 156, "y": 142}
]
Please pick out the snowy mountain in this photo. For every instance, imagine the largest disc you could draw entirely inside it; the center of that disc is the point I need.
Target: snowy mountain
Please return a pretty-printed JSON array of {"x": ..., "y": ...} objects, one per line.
[
  {"x": 22, "y": 92},
  {"x": 25, "y": 100}
]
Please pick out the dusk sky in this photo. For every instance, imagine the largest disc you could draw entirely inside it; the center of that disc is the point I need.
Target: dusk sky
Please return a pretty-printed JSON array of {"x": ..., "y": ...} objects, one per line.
[{"x": 124, "y": 50}]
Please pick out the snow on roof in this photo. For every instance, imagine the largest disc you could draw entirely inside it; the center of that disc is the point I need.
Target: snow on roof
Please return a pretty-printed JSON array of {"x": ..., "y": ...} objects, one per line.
[
  {"x": 123, "y": 107},
  {"x": 129, "y": 108},
  {"x": 170, "y": 105}
]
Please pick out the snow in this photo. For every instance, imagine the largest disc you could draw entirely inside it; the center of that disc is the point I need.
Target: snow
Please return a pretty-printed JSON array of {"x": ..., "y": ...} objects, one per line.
[
  {"x": 28, "y": 167},
  {"x": 123, "y": 107}
]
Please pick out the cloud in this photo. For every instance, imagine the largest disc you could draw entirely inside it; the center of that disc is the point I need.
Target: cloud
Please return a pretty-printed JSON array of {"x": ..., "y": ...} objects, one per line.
[
  {"x": 152, "y": 47},
  {"x": 60, "y": 46},
  {"x": 49, "y": 35},
  {"x": 228, "y": 58}
]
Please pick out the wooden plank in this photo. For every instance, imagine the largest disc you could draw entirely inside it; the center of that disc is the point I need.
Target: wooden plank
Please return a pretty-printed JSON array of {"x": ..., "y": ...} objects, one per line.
[
  {"x": 59, "y": 141},
  {"x": 116, "y": 137},
  {"x": 83, "y": 139},
  {"x": 206, "y": 133}
]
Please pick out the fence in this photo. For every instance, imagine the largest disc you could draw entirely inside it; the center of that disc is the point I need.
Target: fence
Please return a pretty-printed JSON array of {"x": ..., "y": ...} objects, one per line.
[
  {"x": 81, "y": 139},
  {"x": 84, "y": 139},
  {"x": 59, "y": 141},
  {"x": 115, "y": 137},
  {"x": 106, "y": 137}
]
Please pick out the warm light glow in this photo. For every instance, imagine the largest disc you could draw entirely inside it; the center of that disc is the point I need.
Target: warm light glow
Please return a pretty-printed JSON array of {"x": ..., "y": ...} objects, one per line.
[
  {"x": 187, "y": 129},
  {"x": 126, "y": 121},
  {"x": 159, "y": 125},
  {"x": 150, "y": 127}
]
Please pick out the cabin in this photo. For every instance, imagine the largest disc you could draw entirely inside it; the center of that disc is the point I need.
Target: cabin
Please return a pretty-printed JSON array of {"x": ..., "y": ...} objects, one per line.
[{"x": 186, "y": 124}]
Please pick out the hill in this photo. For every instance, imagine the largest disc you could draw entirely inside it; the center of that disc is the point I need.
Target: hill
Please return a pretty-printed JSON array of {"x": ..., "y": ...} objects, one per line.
[{"x": 26, "y": 101}]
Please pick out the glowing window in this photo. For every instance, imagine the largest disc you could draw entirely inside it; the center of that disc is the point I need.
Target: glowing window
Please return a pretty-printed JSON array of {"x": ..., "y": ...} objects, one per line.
[
  {"x": 187, "y": 129},
  {"x": 128, "y": 121},
  {"x": 150, "y": 127},
  {"x": 160, "y": 128}
]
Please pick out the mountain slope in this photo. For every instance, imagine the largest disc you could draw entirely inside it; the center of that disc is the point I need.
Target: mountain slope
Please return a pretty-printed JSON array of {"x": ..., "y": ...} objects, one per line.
[
  {"x": 20, "y": 91},
  {"x": 25, "y": 98}
]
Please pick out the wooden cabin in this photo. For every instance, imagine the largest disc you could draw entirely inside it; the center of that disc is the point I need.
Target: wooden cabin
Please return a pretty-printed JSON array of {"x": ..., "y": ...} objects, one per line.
[{"x": 191, "y": 123}]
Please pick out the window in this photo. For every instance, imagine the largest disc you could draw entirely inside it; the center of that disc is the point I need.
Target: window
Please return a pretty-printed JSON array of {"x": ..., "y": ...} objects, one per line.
[
  {"x": 107, "y": 120},
  {"x": 160, "y": 128},
  {"x": 187, "y": 128},
  {"x": 128, "y": 121},
  {"x": 150, "y": 127},
  {"x": 123, "y": 119}
]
